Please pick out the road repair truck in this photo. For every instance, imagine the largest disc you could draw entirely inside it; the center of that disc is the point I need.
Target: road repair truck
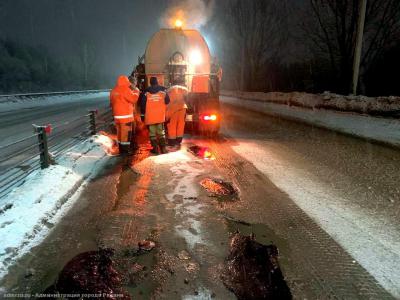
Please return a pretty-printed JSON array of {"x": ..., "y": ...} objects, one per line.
[{"x": 182, "y": 56}]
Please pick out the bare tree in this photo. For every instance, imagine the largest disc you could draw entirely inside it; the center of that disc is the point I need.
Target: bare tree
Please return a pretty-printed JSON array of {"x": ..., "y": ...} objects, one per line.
[
  {"x": 256, "y": 31},
  {"x": 332, "y": 30}
]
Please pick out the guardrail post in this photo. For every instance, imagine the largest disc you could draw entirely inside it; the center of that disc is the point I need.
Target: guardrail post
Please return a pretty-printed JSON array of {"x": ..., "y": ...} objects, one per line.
[
  {"x": 43, "y": 146},
  {"x": 92, "y": 122}
]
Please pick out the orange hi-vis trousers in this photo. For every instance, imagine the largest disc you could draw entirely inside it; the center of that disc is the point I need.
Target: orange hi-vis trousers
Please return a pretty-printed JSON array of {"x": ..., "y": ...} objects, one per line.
[
  {"x": 176, "y": 125},
  {"x": 124, "y": 133}
]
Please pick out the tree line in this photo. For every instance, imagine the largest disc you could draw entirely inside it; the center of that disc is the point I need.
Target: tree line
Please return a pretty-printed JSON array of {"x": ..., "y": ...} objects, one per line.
[
  {"x": 288, "y": 45},
  {"x": 25, "y": 69}
]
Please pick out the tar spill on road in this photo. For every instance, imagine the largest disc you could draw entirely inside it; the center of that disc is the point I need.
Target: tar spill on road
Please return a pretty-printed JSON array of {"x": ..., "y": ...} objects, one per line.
[
  {"x": 251, "y": 270},
  {"x": 223, "y": 190},
  {"x": 202, "y": 152},
  {"x": 105, "y": 272},
  {"x": 91, "y": 272}
]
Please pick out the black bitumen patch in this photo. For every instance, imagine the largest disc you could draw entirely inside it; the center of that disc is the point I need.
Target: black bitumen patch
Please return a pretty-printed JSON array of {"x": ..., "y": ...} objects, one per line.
[
  {"x": 91, "y": 272},
  {"x": 251, "y": 270}
]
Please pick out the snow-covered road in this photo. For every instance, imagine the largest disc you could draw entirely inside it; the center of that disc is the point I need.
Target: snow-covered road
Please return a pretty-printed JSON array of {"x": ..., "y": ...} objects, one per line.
[
  {"x": 348, "y": 186},
  {"x": 16, "y": 118},
  {"x": 330, "y": 202}
]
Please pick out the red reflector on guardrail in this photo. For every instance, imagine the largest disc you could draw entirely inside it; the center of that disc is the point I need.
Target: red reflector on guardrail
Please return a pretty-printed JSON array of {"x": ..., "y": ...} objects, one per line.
[{"x": 48, "y": 128}]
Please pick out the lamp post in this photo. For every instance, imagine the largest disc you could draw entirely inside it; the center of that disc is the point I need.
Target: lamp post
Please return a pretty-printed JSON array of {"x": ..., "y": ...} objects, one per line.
[{"x": 359, "y": 45}]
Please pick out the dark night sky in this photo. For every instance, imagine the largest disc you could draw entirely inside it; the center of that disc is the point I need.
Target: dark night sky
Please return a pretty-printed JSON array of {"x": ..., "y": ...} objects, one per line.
[{"x": 117, "y": 29}]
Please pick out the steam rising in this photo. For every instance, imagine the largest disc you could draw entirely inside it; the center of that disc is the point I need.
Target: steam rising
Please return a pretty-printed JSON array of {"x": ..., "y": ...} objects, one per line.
[{"x": 193, "y": 13}]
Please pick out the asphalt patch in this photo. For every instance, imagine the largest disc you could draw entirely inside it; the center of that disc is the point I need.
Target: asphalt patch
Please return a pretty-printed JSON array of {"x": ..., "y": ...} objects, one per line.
[
  {"x": 220, "y": 189},
  {"x": 251, "y": 270},
  {"x": 90, "y": 272}
]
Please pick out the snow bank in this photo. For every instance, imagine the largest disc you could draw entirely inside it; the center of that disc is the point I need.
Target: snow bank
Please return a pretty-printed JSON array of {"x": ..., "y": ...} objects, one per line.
[
  {"x": 385, "y": 130},
  {"x": 381, "y": 106},
  {"x": 12, "y": 103},
  {"x": 29, "y": 212}
]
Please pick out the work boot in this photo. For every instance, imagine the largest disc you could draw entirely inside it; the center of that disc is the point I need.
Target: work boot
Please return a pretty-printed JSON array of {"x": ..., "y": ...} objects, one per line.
[
  {"x": 134, "y": 146},
  {"x": 179, "y": 140},
  {"x": 123, "y": 150},
  {"x": 171, "y": 142},
  {"x": 154, "y": 144},
  {"x": 163, "y": 145}
]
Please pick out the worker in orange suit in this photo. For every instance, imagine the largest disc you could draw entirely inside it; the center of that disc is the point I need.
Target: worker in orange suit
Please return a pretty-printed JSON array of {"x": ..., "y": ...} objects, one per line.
[
  {"x": 123, "y": 99},
  {"x": 176, "y": 114},
  {"x": 153, "y": 105}
]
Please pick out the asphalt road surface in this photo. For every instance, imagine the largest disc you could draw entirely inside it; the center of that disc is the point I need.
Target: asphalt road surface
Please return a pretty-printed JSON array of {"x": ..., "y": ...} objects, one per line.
[
  {"x": 16, "y": 123},
  {"x": 66, "y": 116},
  {"x": 329, "y": 202}
]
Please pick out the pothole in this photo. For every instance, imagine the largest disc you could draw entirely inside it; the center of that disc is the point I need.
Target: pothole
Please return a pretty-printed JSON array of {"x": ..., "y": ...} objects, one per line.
[
  {"x": 220, "y": 189},
  {"x": 202, "y": 152},
  {"x": 252, "y": 271}
]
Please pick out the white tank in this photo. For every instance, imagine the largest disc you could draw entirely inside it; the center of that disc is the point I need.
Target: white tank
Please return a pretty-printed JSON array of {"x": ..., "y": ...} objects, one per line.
[{"x": 189, "y": 43}]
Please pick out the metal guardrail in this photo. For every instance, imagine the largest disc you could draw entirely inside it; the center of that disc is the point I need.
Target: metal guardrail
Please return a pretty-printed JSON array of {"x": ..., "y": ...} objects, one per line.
[
  {"x": 10, "y": 97},
  {"x": 39, "y": 150}
]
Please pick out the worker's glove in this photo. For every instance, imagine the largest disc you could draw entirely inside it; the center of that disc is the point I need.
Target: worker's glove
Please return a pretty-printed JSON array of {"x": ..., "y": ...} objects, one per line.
[{"x": 142, "y": 118}]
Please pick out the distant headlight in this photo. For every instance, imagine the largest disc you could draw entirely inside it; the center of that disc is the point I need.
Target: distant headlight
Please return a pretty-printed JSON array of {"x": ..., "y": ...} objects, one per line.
[{"x": 195, "y": 57}]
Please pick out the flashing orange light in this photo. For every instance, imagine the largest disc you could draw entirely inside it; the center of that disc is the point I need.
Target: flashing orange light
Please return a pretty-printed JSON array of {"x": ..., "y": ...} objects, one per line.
[{"x": 178, "y": 23}]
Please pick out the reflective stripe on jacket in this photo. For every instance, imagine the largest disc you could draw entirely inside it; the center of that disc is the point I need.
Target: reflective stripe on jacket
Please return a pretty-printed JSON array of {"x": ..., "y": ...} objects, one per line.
[
  {"x": 123, "y": 101},
  {"x": 155, "y": 108}
]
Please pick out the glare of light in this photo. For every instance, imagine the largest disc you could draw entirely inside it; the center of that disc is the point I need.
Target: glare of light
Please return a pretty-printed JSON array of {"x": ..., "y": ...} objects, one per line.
[
  {"x": 178, "y": 23},
  {"x": 209, "y": 42},
  {"x": 210, "y": 118},
  {"x": 208, "y": 155},
  {"x": 104, "y": 140},
  {"x": 108, "y": 143},
  {"x": 170, "y": 158},
  {"x": 195, "y": 57}
]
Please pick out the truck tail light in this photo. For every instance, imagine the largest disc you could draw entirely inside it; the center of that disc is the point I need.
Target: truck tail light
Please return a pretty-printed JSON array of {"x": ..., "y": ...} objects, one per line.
[{"x": 209, "y": 118}]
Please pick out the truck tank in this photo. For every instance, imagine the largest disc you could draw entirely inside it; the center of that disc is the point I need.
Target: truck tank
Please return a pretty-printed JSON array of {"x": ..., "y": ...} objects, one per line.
[{"x": 182, "y": 56}]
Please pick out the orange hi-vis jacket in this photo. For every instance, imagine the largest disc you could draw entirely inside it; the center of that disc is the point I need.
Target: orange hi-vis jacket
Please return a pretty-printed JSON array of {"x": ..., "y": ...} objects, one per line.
[
  {"x": 123, "y": 101},
  {"x": 177, "y": 95},
  {"x": 155, "y": 108}
]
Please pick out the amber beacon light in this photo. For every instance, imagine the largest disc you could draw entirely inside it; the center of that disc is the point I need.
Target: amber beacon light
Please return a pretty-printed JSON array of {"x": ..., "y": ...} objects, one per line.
[{"x": 178, "y": 23}]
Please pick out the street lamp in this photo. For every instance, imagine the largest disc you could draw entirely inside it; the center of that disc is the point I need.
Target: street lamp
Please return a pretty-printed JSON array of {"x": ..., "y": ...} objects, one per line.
[{"x": 359, "y": 45}]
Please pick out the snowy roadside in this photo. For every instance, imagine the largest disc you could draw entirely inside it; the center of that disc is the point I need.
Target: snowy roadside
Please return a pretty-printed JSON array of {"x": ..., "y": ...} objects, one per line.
[
  {"x": 384, "y": 130},
  {"x": 30, "y": 211},
  {"x": 373, "y": 106},
  {"x": 16, "y": 103},
  {"x": 360, "y": 232}
]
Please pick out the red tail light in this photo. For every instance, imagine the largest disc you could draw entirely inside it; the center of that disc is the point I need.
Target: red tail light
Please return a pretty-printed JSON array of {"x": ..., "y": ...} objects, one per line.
[{"x": 209, "y": 118}]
